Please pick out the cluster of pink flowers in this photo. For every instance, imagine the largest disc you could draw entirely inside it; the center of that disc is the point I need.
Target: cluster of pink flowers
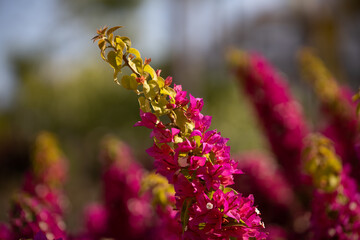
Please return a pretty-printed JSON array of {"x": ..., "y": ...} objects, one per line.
[
  {"x": 200, "y": 168},
  {"x": 279, "y": 114},
  {"x": 195, "y": 160},
  {"x": 336, "y": 215},
  {"x": 124, "y": 213},
  {"x": 39, "y": 207}
]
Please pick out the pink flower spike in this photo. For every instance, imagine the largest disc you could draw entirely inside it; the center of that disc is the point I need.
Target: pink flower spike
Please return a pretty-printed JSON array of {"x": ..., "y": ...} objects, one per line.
[{"x": 148, "y": 120}]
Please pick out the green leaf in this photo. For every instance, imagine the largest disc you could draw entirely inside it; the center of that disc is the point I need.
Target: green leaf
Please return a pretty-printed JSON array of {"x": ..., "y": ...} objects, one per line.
[
  {"x": 169, "y": 92},
  {"x": 127, "y": 41},
  {"x": 118, "y": 60},
  {"x": 135, "y": 52},
  {"x": 111, "y": 30},
  {"x": 160, "y": 106},
  {"x": 151, "y": 89},
  {"x": 184, "y": 214},
  {"x": 133, "y": 65},
  {"x": 129, "y": 82},
  {"x": 197, "y": 140},
  {"x": 229, "y": 189},
  {"x": 144, "y": 104},
  {"x": 111, "y": 38},
  {"x": 116, "y": 72},
  {"x": 210, "y": 194},
  {"x": 151, "y": 71},
  {"x": 178, "y": 139},
  {"x": 146, "y": 89},
  {"x": 102, "y": 44},
  {"x": 161, "y": 82},
  {"x": 241, "y": 223},
  {"x": 182, "y": 122},
  {"x": 139, "y": 65},
  {"x": 111, "y": 59},
  {"x": 120, "y": 45}
]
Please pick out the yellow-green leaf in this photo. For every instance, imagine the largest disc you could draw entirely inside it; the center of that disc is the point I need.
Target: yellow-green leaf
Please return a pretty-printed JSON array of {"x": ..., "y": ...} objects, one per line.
[
  {"x": 120, "y": 45},
  {"x": 111, "y": 38},
  {"x": 127, "y": 41},
  {"x": 139, "y": 65},
  {"x": 135, "y": 52},
  {"x": 178, "y": 139},
  {"x": 197, "y": 140},
  {"x": 184, "y": 214},
  {"x": 118, "y": 60},
  {"x": 111, "y": 30},
  {"x": 129, "y": 82},
  {"x": 111, "y": 58},
  {"x": 161, "y": 82},
  {"x": 241, "y": 223},
  {"x": 182, "y": 122},
  {"x": 102, "y": 44},
  {"x": 133, "y": 66},
  {"x": 151, "y": 89},
  {"x": 144, "y": 104},
  {"x": 170, "y": 92},
  {"x": 160, "y": 106},
  {"x": 151, "y": 71},
  {"x": 116, "y": 72}
]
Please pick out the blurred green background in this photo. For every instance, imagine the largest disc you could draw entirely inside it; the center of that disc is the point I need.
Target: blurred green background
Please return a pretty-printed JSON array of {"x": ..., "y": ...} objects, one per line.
[{"x": 52, "y": 77}]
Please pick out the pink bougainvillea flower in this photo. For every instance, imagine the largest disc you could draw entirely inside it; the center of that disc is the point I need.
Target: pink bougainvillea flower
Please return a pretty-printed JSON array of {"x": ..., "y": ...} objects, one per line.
[
  {"x": 193, "y": 160},
  {"x": 180, "y": 98},
  {"x": 148, "y": 120}
]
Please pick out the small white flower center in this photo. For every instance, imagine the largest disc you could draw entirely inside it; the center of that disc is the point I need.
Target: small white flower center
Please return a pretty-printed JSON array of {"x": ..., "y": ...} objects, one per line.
[
  {"x": 43, "y": 226},
  {"x": 183, "y": 161},
  {"x": 352, "y": 206},
  {"x": 50, "y": 236},
  {"x": 257, "y": 211},
  {"x": 209, "y": 206},
  {"x": 331, "y": 232},
  {"x": 262, "y": 224}
]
